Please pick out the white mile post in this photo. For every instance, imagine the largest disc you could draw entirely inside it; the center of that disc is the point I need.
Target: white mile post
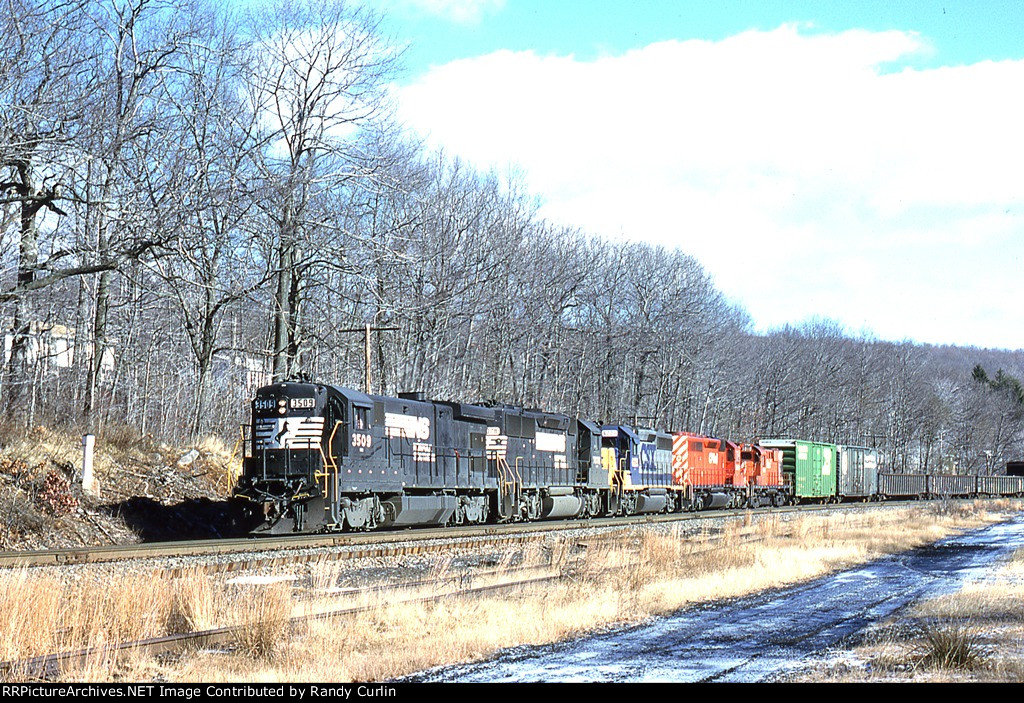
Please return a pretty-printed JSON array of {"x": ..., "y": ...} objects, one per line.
[{"x": 88, "y": 482}]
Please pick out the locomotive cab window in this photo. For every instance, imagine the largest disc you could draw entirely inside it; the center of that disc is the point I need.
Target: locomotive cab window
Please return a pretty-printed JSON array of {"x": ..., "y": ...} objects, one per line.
[
  {"x": 335, "y": 413},
  {"x": 360, "y": 417}
]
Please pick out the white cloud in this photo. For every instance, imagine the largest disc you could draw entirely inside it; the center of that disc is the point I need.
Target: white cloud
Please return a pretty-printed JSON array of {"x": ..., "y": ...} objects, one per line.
[
  {"x": 458, "y": 11},
  {"x": 891, "y": 198}
]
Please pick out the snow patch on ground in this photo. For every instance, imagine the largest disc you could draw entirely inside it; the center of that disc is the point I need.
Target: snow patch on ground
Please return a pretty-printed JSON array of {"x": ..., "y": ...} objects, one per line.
[{"x": 759, "y": 637}]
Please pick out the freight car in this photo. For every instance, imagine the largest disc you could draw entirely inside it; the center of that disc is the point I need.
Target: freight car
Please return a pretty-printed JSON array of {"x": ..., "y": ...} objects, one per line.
[
  {"x": 858, "y": 472},
  {"x": 943, "y": 486},
  {"x": 990, "y": 486},
  {"x": 809, "y": 466},
  {"x": 323, "y": 458},
  {"x": 922, "y": 486},
  {"x": 902, "y": 485}
]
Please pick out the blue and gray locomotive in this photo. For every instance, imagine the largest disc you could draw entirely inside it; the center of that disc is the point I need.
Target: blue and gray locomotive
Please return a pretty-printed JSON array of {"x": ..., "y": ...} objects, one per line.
[{"x": 327, "y": 458}]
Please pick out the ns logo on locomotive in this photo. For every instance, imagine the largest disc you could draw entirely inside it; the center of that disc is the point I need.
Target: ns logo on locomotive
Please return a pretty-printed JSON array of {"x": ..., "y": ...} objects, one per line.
[{"x": 323, "y": 458}]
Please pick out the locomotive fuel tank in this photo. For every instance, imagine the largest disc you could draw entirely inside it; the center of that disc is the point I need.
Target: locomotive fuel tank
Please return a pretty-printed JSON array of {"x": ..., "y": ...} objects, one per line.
[
  {"x": 560, "y": 502},
  {"x": 653, "y": 500}
]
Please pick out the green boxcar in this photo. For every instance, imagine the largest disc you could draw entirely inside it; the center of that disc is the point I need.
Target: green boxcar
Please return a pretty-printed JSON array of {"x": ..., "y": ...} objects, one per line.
[{"x": 810, "y": 466}]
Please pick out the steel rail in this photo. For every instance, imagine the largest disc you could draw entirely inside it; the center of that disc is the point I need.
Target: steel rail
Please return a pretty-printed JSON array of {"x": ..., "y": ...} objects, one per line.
[{"x": 365, "y": 544}]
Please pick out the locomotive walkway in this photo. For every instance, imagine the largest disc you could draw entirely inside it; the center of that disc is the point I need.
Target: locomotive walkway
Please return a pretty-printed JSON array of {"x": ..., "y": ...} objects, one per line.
[{"x": 757, "y": 637}]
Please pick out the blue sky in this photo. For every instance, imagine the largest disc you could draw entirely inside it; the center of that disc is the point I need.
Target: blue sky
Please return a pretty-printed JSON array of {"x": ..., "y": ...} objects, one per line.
[
  {"x": 438, "y": 31},
  {"x": 871, "y": 151}
]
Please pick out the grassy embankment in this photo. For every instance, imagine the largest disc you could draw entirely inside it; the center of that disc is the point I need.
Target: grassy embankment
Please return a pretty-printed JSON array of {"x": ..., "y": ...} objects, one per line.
[{"x": 42, "y": 503}]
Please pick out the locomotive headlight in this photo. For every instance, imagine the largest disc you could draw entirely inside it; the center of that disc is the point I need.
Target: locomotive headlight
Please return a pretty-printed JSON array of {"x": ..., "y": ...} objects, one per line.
[{"x": 282, "y": 410}]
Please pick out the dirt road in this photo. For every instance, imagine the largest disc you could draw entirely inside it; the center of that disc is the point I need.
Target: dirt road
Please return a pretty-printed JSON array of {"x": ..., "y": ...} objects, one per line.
[{"x": 756, "y": 637}]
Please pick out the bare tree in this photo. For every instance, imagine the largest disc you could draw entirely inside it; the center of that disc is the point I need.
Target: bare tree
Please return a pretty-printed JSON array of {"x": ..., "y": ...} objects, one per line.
[
  {"x": 216, "y": 139},
  {"x": 318, "y": 73},
  {"x": 141, "y": 43},
  {"x": 42, "y": 96}
]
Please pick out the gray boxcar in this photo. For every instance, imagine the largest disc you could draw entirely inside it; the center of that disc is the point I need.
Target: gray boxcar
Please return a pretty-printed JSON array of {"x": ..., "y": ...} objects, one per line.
[{"x": 858, "y": 472}]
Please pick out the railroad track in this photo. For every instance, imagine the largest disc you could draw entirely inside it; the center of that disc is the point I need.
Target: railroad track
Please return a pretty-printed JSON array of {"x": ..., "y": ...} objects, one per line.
[
  {"x": 359, "y": 545},
  {"x": 51, "y": 666}
]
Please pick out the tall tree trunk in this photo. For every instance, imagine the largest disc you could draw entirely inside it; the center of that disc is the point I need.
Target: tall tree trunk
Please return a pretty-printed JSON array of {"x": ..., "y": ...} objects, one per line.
[
  {"x": 99, "y": 344},
  {"x": 283, "y": 334},
  {"x": 19, "y": 373}
]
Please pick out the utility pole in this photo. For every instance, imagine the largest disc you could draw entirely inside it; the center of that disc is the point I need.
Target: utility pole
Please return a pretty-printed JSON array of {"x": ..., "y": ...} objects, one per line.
[{"x": 366, "y": 329}]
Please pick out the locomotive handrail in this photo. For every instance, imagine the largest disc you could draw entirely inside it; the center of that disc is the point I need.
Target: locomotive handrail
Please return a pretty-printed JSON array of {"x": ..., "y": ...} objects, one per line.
[
  {"x": 505, "y": 477},
  {"x": 240, "y": 441},
  {"x": 334, "y": 498},
  {"x": 503, "y": 470},
  {"x": 330, "y": 444},
  {"x": 329, "y": 464}
]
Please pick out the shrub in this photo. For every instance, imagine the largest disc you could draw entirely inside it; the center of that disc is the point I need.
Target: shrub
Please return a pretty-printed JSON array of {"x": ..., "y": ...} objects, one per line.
[{"x": 950, "y": 646}]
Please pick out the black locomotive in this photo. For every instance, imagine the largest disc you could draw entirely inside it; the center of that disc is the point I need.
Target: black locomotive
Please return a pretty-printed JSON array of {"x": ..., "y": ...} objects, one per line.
[{"x": 328, "y": 458}]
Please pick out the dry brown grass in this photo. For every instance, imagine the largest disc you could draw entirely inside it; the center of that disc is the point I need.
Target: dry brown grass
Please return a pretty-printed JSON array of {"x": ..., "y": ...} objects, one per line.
[
  {"x": 42, "y": 615},
  {"x": 221, "y": 460},
  {"x": 264, "y": 626},
  {"x": 951, "y": 646},
  {"x": 604, "y": 581},
  {"x": 39, "y": 449},
  {"x": 43, "y": 505},
  {"x": 195, "y": 604}
]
